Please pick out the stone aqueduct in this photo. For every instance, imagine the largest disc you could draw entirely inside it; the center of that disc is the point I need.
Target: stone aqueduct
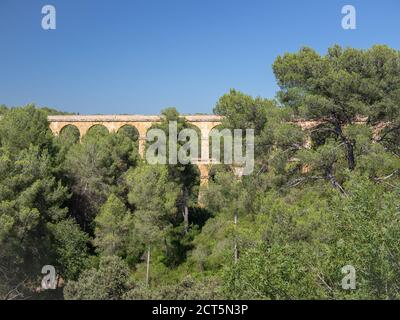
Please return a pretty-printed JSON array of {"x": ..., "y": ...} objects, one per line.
[
  {"x": 142, "y": 123},
  {"x": 205, "y": 123}
]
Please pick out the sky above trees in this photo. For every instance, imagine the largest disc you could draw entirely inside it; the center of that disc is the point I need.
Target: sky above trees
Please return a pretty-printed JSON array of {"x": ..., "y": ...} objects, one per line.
[{"x": 142, "y": 56}]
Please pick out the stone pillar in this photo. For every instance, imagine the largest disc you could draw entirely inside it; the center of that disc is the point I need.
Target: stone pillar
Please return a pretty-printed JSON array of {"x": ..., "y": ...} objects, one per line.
[
  {"x": 142, "y": 128},
  {"x": 205, "y": 144},
  {"x": 204, "y": 162},
  {"x": 142, "y": 146},
  {"x": 204, "y": 169},
  {"x": 55, "y": 128},
  {"x": 83, "y": 129},
  {"x": 204, "y": 173}
]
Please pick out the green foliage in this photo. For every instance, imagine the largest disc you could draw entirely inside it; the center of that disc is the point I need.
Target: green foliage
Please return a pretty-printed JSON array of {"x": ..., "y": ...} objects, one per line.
[
  {"x": 107, "y": 220},
  {"x": 30, "y": 199},
  {"x": 130, "y": 132},
  {"x": 242, "y": 111},
  {"x": 95, "y": 169},
  {"x": 188, "y": 289},
  {"x": 276, "y": 272},
  {"x": 342, "y": 87},
  {"x": 29, "y": 194},
  {"x": 305, "y": 247},
  {"x": 185, "y": 175},
  {"x": 108, "y": 282},
  {"x": 154, "y": 199},
  {"x": 367, "y": 232},
  {"x": 114, "y": 225},
  {"x": 70, "y": 247},
  {"x": 3, "y": 109},
  {"x": 21, "y": 127}
]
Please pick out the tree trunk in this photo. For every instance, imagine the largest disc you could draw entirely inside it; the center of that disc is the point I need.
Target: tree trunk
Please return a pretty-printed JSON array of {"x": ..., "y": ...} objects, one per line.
[
  {"x": 351, "y": 161},
  {"x": 350, "y": 154},
  {"x": 186, "y": 218},
  {"x": 148, "y": 267},
  {"x": 235, "y": 249},
  {"x": 330, "y": 176},
  {"x": 185, "y": 210}
]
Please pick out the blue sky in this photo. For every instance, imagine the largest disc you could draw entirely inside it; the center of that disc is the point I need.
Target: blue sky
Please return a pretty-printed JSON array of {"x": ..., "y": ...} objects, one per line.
[{"x": 138, "y": 57}]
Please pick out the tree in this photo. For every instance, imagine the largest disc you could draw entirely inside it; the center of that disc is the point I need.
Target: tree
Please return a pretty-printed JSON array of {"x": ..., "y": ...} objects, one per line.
[
  {"x": 30, "y": 200},
  {"x": 3, "y": 109},
  {"x": 108, "y": 282},
  {"x": 310, "y": 207},
  {"x": 21, "y": 127},
  {"x": 276, "y": 140},
  {"x": 242, "y": 111},
  {"x": 186, "y": 175},
  {"x": 366, "y": 229},
  {"x": 154, "y": 199},
  {"x": 277, "y": 272},
  {"x": 221, "y": 239},
  {"x": 113, "y": 227},
  {"x": 303, "y": 245},
  {"x": 341, "y": 88},
  {"x": 95, "y": 169},
  {"x": 35, "y": 229},
  {"x": 70, "y": 246},
  {"x": 187, "y": 289}
]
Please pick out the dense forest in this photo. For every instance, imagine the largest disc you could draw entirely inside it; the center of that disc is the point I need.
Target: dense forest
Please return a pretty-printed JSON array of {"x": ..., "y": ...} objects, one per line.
[{"x": 114, "y": 226}]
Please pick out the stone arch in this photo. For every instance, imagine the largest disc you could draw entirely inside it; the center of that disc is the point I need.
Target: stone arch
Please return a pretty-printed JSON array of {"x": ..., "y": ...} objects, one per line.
[
  {"x": 143, "y": 143},
  {"x": 142, "y": 127},
  {"x": 90, "y": 129},
  {"x": 219, "y": 127},
  {"x": 56, "y": 127},
  {"x": 132, "y": 133},
  {"x": 198, "y": 132},
  {"x": 68, "y": 130},
  {"x": 205, "y": 129}
]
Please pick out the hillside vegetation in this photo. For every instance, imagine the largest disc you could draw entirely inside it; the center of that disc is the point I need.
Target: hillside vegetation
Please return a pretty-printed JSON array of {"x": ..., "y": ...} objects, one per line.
[{"x": 113, "y": 226}]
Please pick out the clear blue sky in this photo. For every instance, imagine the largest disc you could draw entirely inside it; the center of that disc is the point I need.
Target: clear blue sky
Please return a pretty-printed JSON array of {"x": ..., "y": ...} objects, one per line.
[{"x": 138, "y": 57}]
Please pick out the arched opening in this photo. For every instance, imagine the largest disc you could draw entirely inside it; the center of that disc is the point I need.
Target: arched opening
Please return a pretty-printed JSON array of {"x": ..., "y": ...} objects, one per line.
[
  {"x": 129, "y": 131},
  {"x": 154, "y": 138},
  {"x": 96, "y": 131},
  {"x": 132, "y": 134},
  {"x": 70, "y": 134},
  {"x": 186, "y": 139},
  {"x": 198, "y": 135},
  {"x": 221, "y": 145}
]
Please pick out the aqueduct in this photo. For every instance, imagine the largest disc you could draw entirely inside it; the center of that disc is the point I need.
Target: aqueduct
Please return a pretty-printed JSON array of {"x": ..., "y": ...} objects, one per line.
[
  {"x": 205, "y": 123},
  {"x": 142, "y": 123}
]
